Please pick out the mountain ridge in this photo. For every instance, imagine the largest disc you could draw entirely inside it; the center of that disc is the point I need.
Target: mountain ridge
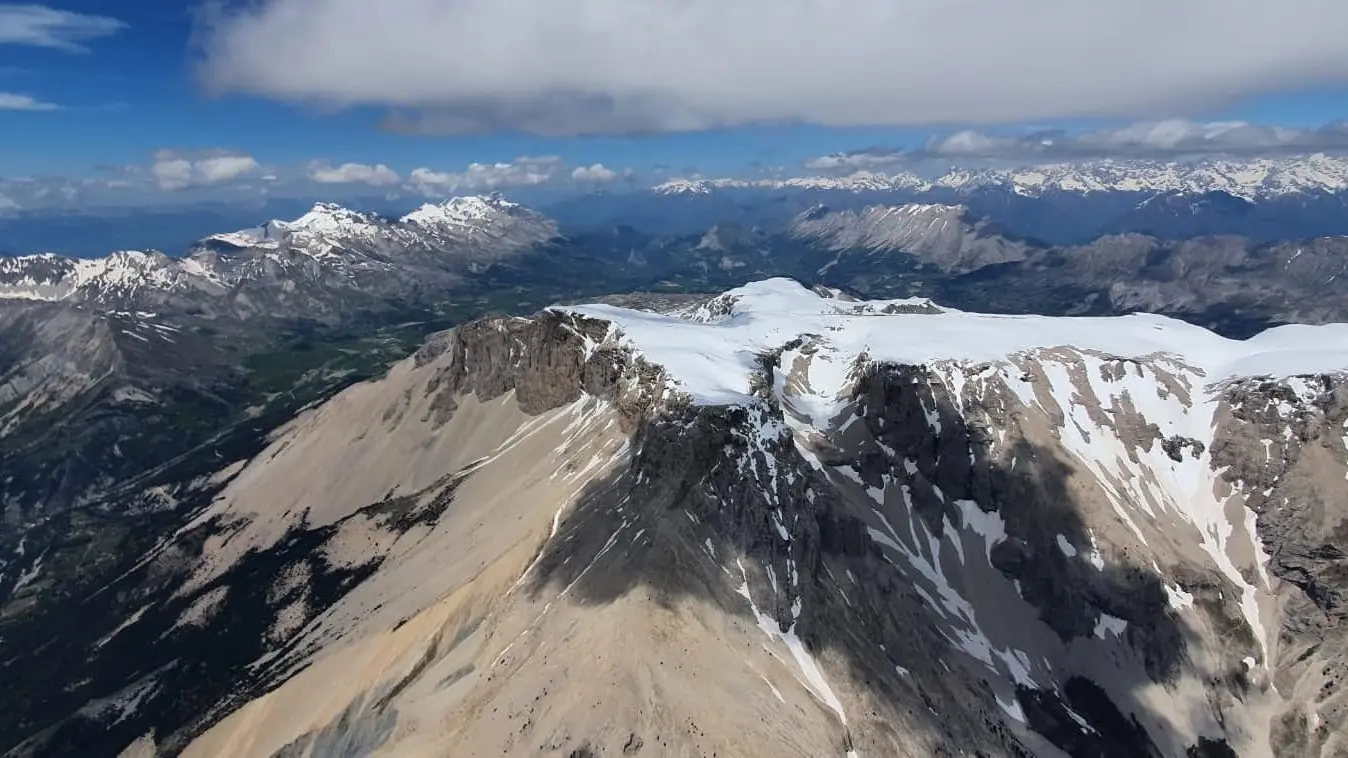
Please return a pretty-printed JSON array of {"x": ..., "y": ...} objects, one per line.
[
  {"x": 798, "y": 501},
  {"x": 949, "y": 236},
  {"x": 334, "y": 262},
  {"x": 1248, "y": 179},
  {"x": 327, "y": 249}
]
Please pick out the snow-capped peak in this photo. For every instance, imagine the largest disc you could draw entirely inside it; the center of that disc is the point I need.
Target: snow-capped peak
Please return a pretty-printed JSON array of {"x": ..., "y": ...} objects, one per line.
[
  {"x": 52, "y": 277},
  {"x": 857, "y": 182},
  {"x": 1250, "y": 179},
  {"x": 683, "y": 187},
  {"x": 339, "y": 239},
  {"x": 330, "y": 219},
  {"x": 712, "y": 352},
  {"x": 327, "y": 221},
  {"x": 460, "y": 210}
]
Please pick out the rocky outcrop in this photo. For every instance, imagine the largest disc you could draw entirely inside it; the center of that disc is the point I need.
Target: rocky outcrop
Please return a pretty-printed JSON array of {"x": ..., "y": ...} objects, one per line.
[{"x": 1285, "y": 444}]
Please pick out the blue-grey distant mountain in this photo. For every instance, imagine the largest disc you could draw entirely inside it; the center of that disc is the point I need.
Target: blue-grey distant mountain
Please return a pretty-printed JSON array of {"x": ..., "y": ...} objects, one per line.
[
  {"x": 328, "y": 263},
  {"x": 1266, "y": 200}
]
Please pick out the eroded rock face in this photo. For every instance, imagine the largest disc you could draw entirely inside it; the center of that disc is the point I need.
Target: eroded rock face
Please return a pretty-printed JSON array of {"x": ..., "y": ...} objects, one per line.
[
  {"x": 947, "y": 237},
  {"x": 941, "y": 524},
  {"x": 1285, "y": 444}
]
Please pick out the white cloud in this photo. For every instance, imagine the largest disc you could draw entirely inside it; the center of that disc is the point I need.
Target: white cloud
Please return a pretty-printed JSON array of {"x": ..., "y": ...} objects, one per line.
[
  {"x": 1172, "y": 139},
  {"x": 860, "y": 160},
  {"x": 522, "y": 172},
  {"x": 969, "y": 142},
  {"x": 225, "y": 168},
  {"x": 353, "y": 173},
  {"x": 592, "y": 66},
  {"x": 41, "y": 26},
  {"x": 596, "y": 174},
  {"x": 37, "y": 191},
  {"x": 174, "y": 171},
  {"x": 1179, "y": 136},
  {"x": 10, "y": 101},
  {"x": 1153, "y": 139}
]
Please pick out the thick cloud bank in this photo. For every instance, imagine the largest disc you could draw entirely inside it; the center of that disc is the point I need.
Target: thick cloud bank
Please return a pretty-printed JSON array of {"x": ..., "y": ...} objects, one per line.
[{"x": 613, "y": 66}]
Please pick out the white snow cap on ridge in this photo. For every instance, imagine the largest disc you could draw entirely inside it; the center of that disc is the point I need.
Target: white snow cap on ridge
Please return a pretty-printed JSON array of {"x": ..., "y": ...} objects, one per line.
[
  {"x": 712, "y": 355},
  {"x": 1250, "y": 179},
  {"x": 323, "y": 220},
  {"x": 460, "y": 210},
  {"x": 333, "y": 221},
  {"x": 329, "y": 218}
]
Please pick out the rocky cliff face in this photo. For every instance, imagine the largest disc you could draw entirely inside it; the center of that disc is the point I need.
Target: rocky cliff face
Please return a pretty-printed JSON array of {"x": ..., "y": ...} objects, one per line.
[
  {"x": 947, "y": 237},
  {"x": 756, "y": 527}
]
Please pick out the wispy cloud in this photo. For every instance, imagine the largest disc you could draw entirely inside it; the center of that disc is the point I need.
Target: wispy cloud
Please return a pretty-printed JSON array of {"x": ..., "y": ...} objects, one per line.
[
  {"x": 42, "y": 26},
  {"x": 1150, "y": 139},
  {"x": 11, "y": 101},
  {"x": 35, "y": 192},
  {"x": 1165, "y": 140},
  {"x": 623, "y": 66},
  {"x": 377, "y": 175},
  {"x": 525, "y": 171},
  {"x": 174, "y": 170},
  {"x": 866, "y": 159}
]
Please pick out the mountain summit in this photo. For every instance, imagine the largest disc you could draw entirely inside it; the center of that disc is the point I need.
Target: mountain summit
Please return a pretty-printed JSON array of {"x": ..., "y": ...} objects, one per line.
[{"x": 604, "y": 530}]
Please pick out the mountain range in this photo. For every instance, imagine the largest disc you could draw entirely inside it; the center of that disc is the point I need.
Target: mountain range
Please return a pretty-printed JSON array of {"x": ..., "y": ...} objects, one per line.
[
  {"x": 1250, "y": 180},
  {"x": 332, "y": 264},
  {"x": 875, "y": 478},
  {"x": 312, "y": 266},
  {"x": 1267, "y": 200}
]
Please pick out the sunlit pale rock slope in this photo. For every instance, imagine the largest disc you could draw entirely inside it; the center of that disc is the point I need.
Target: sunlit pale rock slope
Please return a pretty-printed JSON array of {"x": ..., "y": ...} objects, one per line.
[{"x": 782, "y": 522}]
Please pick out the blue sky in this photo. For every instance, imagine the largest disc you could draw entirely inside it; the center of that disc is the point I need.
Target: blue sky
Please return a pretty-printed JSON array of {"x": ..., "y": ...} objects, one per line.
[{"x": 92, "y": 94}]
